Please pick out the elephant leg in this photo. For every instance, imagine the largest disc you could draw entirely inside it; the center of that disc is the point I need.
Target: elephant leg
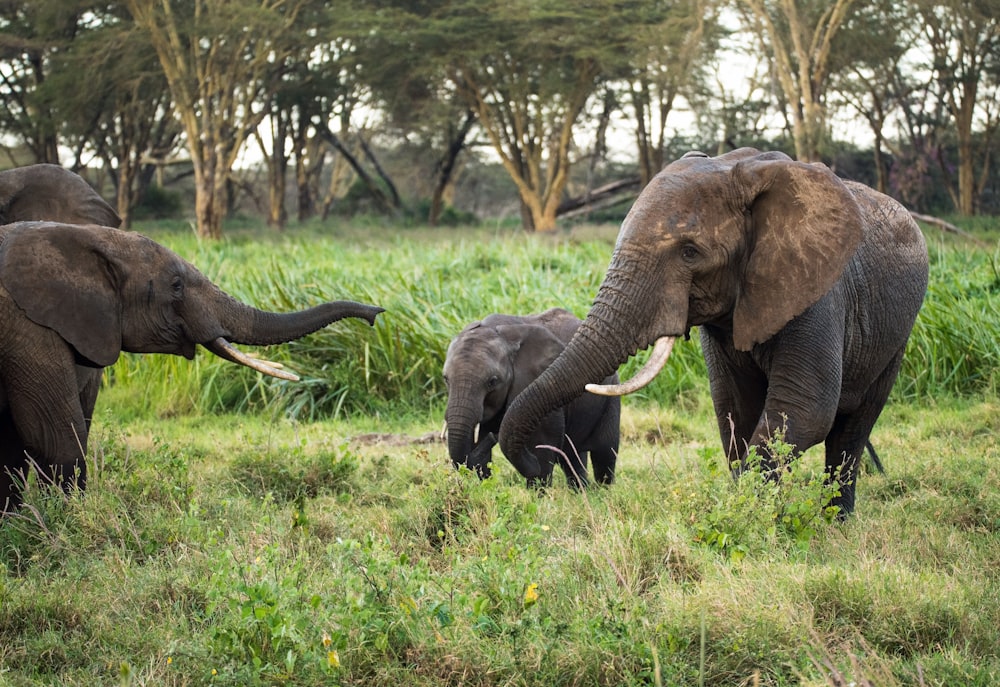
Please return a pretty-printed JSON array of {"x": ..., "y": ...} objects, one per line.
[
  {"x": 89, "y": 383},
  {"x": 604, "y": 443},
  {"x": 849, "y": 435},
  {"x": 739, "y": 389},
  {"x": 549, "y": 435},
  {"x": 13, "y": 465},
  {"x": 51, "y": 424},
  {"x": 804, "y": 366},
  {"x": 604, "y": 460}
]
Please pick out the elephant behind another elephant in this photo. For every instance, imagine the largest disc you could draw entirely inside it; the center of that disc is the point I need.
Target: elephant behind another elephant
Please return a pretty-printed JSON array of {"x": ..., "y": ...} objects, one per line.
[{"x": 493, "y": 360}]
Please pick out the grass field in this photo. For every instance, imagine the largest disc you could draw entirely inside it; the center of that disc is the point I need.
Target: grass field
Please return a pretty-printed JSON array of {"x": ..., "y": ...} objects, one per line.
[{"x": 242, "y": 531}]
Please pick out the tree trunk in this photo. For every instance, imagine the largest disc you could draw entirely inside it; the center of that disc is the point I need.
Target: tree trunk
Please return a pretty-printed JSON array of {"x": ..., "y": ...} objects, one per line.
[
  {"x": 277, "y": 172},
  {"x": 209, "y": 200}
]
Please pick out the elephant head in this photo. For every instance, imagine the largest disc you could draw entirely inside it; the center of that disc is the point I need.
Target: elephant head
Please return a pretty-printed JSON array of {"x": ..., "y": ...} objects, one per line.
[
  {"x": 486, "y": 366},
  {"x": 50, "y": 192},
  {"x": 105, "y": 291},
  {"x": 742, "y": 243}
]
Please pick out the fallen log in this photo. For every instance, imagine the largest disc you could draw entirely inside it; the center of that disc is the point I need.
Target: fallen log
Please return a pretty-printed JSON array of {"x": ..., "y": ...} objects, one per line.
[{"x": 946, "y": 226}]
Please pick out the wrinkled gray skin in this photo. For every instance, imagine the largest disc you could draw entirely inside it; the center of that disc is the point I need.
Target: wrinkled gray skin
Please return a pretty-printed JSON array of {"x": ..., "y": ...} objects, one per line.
[
  {"x": 50, "y": 192},
  {"x": 493, "y": 360},
  {"x": 805, "y": 289},
  {"x": 71, "y": 299}
]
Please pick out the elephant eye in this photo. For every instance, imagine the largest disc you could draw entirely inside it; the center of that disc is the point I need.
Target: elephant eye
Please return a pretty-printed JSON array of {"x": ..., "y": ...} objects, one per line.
[
  {"x": 177, "y": 287},
  {"x": 689, "y": 253},
  {"x": 493, "y": 382}
]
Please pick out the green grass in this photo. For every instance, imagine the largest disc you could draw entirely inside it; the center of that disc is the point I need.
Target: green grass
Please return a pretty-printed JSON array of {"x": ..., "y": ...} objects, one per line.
[{"x": 243, "y": 532}]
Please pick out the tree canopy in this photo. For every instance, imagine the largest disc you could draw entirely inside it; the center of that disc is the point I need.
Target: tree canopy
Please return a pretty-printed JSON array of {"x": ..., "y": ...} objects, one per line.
[{"x": 397, "y": 101}]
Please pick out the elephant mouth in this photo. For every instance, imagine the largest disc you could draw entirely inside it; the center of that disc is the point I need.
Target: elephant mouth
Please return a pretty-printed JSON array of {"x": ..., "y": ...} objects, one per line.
[{"x": 222, "y": 348}]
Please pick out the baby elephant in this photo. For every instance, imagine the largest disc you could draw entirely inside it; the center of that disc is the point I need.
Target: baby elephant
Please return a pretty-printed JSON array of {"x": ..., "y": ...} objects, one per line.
[{"x": 492, "y": 361}]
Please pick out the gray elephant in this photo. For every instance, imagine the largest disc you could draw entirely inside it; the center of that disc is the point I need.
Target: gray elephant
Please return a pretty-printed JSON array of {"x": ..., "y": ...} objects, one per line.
[
  {"x": 72, "y": 298},
  {"x": 804, "y": 287},
  {"x": 50, "y": 192},
  {"x": 490, "y": 362}
]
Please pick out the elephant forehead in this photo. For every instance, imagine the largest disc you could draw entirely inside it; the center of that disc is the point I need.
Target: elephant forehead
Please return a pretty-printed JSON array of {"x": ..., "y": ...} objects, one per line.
[
  {"x": 477, "y": 345},
  {"x": 684, "y": 205}
]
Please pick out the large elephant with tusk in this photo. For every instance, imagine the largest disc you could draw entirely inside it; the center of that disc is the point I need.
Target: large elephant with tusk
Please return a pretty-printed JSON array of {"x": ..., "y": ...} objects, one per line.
[
  {"x": 72, "y": 298},
  {"x": 804, "y": 288}
]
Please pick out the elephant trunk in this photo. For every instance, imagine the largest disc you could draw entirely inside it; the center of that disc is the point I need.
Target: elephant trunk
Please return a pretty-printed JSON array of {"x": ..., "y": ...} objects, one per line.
[
  {"x": 255, "y": 327},
  {"x": 595, "y": 352},
  {"x": 244, "y": 324},
  {"x": 461, "y": 420}
]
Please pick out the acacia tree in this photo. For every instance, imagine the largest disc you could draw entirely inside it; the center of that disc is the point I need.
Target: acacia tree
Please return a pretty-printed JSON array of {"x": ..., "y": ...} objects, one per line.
[
  {"x": 31, "y": 32},
  {"x": 868, "y": 73},
  {"x": 221, "y": 58},
  {"x": 669, "y": 64},
  {"x": 527, "y": 69},
  {"x": 798, "y": 35},
  {"x": 408, "y": 79},
  {"x": 125, "y": 115},
  {"x": 964, "y": 41}
]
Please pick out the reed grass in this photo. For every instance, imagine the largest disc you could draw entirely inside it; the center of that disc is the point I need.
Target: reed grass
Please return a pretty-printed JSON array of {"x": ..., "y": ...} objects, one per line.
[{"x": 434, "y": 283}]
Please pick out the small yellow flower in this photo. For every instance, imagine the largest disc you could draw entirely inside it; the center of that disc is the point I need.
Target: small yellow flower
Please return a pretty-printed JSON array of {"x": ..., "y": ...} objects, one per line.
[
  {"x": 214, "y": 671},
  {"x": 170, "y": 659},
  {"x": 326, "y": 639},
  {"x": 530, "y": 595},
  {"x": 545, "y": 528},
  {"x": 333, "y": 659}
]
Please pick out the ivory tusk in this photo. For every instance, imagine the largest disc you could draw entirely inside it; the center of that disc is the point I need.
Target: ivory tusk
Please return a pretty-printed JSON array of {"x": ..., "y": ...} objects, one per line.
[
  {"x": 475, "y": 434},
  {"x": 657, "y": 359},
  {"x": 224, "y": 349}
]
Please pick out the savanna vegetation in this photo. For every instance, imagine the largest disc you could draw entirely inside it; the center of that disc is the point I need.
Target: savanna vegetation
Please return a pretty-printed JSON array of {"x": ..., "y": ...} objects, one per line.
[{"x": 244, "y": 531}]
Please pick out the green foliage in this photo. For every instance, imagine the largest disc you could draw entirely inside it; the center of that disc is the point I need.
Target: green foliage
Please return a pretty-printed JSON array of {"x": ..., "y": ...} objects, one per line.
[
  {"x": 772, "y": 501},
  {"x": 158, "y": 203},
  {"x": 954, "y": 347},
  {"x": 431, "y": 286},
  {"x": 291, "y": 475},
  {"x": 172, "y": 570}
]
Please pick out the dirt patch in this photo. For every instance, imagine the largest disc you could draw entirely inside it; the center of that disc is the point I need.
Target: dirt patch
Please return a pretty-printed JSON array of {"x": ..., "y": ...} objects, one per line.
[{"x": 379, "y": 439}]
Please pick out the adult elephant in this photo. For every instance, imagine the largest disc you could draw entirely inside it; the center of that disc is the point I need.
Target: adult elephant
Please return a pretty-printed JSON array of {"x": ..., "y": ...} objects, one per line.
[
  {"x": 50, "y": 192},
  {"x": 72, "y": 298},
  {"x": 490, "y": 362},
  {"x": 804, "y": 287}
]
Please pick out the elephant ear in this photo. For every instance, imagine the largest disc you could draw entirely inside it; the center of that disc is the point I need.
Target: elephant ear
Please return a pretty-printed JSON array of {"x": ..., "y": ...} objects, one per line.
[
  {"x": 804, "y": 226},
  {"x": 534, "y": 347},
  {"x": 60, "y": 276}
]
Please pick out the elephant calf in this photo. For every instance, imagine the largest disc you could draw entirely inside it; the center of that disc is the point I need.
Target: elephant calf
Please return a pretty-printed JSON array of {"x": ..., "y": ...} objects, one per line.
[{"x": 490, "y": 362}]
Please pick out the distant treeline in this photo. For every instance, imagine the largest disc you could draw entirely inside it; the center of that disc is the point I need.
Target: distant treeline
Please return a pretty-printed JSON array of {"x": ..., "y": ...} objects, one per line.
[{"x": 448, "y": 110}]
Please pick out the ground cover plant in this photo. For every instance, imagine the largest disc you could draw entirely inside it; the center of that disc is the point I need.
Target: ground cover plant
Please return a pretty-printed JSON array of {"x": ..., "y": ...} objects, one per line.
[{"x": 239, "y": 531}]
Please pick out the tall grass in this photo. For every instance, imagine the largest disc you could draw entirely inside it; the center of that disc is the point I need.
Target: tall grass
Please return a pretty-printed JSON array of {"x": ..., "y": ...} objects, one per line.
[
  {"x": 955, "y": 344},
  {"x": 434, "y": 283},
  {"x": 430, "y": 285}
]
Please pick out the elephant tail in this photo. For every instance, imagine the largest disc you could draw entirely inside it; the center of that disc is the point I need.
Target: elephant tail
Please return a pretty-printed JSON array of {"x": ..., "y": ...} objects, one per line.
[{"x": 874, "y": 457}]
